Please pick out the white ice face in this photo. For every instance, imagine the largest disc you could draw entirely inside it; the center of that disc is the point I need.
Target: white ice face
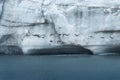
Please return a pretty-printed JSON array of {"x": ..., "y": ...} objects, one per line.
[
  {"x": 37, "y": 1},
  {"x": 83, "y": 20},
  {"x": 48, "y": 2},
  {"x": 33, "y": 0},
  {"x": 104, "y": 1}
]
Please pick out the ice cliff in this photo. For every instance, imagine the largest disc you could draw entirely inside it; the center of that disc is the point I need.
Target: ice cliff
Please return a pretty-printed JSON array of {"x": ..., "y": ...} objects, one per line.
[{"x": 38, "y": 24}]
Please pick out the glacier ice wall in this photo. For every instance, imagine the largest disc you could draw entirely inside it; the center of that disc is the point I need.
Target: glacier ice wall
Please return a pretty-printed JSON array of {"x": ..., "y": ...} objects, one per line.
[{"x": 47, "y": 23}]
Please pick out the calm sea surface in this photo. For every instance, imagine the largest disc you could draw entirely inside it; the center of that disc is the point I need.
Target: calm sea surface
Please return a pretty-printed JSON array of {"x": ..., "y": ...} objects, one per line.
[{"x": 60, "y": 67}]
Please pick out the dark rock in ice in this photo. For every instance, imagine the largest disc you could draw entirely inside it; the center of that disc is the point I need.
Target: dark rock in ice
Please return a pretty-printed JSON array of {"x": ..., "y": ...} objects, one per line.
[
  {"x": 9, "y": 45},
  {"x": 105, "y": 49},
  {"x": 61, "y": 50},
  {"x": 113, "y": 50},
  {"x": 5, "y": 38},
  {"x": 11, "y": 50}
]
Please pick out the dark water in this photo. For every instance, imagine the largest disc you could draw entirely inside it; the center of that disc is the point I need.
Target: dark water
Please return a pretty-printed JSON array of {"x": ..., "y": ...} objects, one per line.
[{"x": 59, "y": 68}]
